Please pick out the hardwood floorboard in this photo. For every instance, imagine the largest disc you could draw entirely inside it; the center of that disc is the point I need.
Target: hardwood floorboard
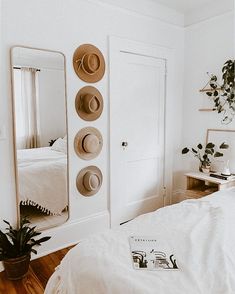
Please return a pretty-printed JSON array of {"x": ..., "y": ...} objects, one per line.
[{"x": 39, "y": 272}]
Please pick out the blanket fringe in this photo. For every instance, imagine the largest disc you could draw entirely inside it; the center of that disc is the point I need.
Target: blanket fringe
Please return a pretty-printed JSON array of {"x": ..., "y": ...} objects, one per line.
[{"x": 43, "y": 209}]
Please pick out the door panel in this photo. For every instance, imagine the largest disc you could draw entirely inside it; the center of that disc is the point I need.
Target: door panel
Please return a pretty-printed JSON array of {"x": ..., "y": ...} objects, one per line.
[
  {"x": 136, "y": 188},
  {"x": 136, "y": 117}
]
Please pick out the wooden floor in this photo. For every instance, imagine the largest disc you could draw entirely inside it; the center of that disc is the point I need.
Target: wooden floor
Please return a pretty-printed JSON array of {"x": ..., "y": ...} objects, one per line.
[{"x": 40, "y": 271}]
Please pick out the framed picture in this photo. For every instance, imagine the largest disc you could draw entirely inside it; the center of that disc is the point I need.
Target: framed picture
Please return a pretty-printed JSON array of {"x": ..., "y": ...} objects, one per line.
[{"x": 218, "y": 136}]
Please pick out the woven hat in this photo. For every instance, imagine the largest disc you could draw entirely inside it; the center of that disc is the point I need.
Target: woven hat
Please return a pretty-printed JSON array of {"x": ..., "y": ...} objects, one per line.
[
  {"x": 88, "y": 63},
  {"x": 88, "y": 143},
  {"x": 89, "y": 103},
  {"x": 89, "y": 180}
]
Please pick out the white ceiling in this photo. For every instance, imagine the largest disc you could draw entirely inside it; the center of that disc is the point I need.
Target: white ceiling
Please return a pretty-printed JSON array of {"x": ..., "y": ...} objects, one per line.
[{"x": 185, "y": 6}]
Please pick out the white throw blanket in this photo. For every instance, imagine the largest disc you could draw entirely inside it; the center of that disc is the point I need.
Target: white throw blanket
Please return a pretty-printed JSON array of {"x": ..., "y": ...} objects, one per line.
[
  {"x": 200, "y": 233},
  {"x": 42, "y": 175}
]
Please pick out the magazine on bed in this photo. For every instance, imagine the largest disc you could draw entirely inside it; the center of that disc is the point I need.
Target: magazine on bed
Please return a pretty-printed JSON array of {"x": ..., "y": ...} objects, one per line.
[{"x": 148, "y": 254}]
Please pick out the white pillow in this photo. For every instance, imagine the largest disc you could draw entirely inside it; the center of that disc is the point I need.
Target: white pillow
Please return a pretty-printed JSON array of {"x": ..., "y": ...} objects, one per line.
[{"x": 60, "y": 145}]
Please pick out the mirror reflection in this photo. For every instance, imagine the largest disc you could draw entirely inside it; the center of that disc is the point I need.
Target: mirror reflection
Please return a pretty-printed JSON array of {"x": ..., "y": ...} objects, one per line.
[{"x": 40, "y": 133}]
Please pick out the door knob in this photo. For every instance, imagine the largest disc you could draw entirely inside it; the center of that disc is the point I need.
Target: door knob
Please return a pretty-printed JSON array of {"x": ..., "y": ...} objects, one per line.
[{"x": 124, "y": 144}]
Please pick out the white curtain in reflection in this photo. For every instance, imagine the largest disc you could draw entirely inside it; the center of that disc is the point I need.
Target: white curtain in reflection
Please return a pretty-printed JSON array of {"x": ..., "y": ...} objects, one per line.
[{"x": 26, "y": 108}]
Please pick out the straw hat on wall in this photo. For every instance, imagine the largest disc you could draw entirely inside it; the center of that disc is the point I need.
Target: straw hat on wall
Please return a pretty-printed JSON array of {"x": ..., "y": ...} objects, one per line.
[
  {"x": 88, "y": 143},
  {"x": 89, "y": 180},
  {"x": 89, "y": 103},
  {"x": 88, "y": 63}
]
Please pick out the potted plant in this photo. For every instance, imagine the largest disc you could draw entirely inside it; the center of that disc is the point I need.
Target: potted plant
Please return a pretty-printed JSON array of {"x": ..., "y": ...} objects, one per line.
[
  {"x": 204, "y": 154},
  {"x": 16, "y": 246},
  {"x": 224, "y": 95}
]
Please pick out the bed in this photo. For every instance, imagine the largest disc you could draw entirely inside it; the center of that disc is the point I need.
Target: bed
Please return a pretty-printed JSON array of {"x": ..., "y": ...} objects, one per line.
[
  {"x": 42, "y": 176},
  {"x": 200, "y": 232}
]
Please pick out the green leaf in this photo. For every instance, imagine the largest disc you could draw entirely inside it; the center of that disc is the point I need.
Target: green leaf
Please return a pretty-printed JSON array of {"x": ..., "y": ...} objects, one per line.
[
  {"x": 210, "y": 145},
  {"x": 220, "y": 109},
  {"x": 194, "y": 151},
  {"x": 7, "y": 223},
  {"x": 224, "y": 146},
  {"x": 43, "y": 239},
  {"x": 199, "y": 146},
  {"x": 218, "y": 154},
  {"x": 214, "y": 78},
  {"x": 208, "y": 151},
  {"x": 185, "y": 150},
  {"x": 205, "y": 157},
  {"x": 4, "y": 242},
  {"x": 34, "y": 251}
]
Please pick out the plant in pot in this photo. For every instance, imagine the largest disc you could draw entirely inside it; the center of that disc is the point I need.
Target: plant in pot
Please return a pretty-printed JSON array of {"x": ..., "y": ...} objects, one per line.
[
  {"x": 16, "y": 246},
  {"x": 204, "y": 154}
]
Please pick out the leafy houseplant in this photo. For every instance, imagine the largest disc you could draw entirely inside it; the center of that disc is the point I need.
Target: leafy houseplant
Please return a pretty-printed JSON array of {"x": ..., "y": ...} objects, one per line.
[
  {"x": 16, "y": 246},
  {"x": 224, "y": 95},
  {"x": 204, "y": 155}
]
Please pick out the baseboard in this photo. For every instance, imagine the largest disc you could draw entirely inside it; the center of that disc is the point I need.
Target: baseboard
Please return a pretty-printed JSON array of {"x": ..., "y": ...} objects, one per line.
[
  {"x": 71, "y": 233},
  {"x": 135, "y": 208}
]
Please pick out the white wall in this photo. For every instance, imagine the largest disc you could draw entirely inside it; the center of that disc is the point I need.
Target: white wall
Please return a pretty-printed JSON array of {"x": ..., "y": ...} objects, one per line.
[
  {"x": 64, "y": 25},
  {"x": 150, "y": 8},
  {"x": 51, "y": 105},
  {"x": 209, "y": 10},
  {"x": 7, "y": 190},
  {"x": 208, "y": 45}
]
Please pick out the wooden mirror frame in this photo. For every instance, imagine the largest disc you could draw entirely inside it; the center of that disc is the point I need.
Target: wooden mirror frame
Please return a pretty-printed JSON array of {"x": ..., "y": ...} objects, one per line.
[{"x": 14, "y": 130}]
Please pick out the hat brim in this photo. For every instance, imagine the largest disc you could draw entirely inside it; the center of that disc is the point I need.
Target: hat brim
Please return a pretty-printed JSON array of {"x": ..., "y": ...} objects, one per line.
[
  {"x": 80, "y": 107},
  {"x": 79, "y": 181},
  {"x": 78, "y": 140},
  {"x": 79, "y": 53}
]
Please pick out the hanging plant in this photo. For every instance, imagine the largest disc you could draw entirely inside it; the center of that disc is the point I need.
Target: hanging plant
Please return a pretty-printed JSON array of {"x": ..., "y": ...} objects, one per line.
[{"x": 224, "y": 95}]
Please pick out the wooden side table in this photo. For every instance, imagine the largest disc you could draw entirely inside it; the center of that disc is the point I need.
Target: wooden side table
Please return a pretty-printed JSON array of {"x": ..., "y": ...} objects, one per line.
[{"x": 200, "y": 185}]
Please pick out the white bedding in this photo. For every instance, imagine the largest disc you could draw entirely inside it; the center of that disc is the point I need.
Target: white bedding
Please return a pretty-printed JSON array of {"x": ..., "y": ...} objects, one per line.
[
  {"x": 42, "y": 175},
  {"x": 200, "y": 233}
]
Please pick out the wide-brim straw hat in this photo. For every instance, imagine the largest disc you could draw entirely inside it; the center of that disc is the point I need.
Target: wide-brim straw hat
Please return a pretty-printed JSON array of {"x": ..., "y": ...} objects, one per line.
[
  {"x": 89, "y": 63},
  {"x": 89, "y": 103},
  {"x": 89, "y": 180},
  {"x": 88, "y": 143}
]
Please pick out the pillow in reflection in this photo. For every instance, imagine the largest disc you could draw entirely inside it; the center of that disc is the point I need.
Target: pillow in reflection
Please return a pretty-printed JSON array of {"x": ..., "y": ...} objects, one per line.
[{"x": 60, "y": 145}]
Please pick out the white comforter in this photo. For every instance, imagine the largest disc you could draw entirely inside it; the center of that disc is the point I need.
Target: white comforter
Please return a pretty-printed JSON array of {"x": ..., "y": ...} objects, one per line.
[
  {"x": 42, "y": 175},
  {"x": 201, "y": 233}
]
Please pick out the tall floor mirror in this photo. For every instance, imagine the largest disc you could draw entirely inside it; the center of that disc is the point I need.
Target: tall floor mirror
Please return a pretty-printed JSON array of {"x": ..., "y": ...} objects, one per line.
[{"x": 40, "y": 135}]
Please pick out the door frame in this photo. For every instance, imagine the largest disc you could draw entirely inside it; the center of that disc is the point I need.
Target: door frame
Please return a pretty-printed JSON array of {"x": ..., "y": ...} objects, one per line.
[{"x": 117, "y": 45}]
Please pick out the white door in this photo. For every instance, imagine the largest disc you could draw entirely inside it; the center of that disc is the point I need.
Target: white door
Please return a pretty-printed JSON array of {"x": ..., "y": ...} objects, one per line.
[{"x": 137, "y": 90}]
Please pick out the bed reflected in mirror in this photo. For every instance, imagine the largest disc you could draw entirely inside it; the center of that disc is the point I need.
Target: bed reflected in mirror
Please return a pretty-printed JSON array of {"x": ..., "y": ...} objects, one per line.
[{"x": 40, "y": 135}]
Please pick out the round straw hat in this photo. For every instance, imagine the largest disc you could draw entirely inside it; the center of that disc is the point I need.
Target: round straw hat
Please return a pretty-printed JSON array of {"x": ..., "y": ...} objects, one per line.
[
  {"x": 88, "y": 143},
  {"x": 89, "y": 180},
  {"x": 88, "y": 63},
  {"x": 89, "y": 103}
]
